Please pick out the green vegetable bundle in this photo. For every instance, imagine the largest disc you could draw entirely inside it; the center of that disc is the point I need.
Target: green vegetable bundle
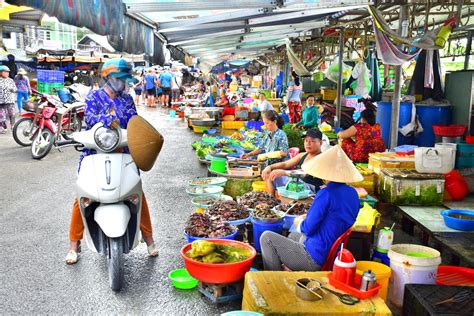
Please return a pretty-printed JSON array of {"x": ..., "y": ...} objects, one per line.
[{"x": 294, "y": 137}]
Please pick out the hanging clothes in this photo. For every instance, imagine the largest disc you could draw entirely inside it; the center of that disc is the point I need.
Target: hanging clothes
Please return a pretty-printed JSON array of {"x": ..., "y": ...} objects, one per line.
[
  {"x": 388, "y": 52},
  {"x": 373, "y": 66},
  {"x": 417, "y": 83}
]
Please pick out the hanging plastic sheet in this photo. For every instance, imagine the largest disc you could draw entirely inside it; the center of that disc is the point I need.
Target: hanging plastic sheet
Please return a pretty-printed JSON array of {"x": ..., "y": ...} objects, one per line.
[
  {"x": 425, "y": 42},
  {"x": 101, "y": 17},
  {"x": 332, "y": 72},
  {"x": 388, "y": 52},
  {"x": 298, "y": 66}
]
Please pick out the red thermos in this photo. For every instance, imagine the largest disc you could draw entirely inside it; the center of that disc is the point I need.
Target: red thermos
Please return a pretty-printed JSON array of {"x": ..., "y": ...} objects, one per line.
[{"x": 344, "y": 268}]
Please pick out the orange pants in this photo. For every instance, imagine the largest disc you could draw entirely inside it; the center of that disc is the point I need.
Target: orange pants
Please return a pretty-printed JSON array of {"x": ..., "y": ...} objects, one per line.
[{"x": 76, "y": 229}]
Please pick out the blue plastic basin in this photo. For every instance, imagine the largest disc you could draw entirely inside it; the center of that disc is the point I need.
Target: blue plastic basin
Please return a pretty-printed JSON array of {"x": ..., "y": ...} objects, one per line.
[{"x": 456, "y": 223}]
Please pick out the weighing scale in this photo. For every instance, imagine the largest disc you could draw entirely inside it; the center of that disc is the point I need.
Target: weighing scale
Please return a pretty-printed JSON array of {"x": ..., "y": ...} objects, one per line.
[{"x": 295, "y": 188}]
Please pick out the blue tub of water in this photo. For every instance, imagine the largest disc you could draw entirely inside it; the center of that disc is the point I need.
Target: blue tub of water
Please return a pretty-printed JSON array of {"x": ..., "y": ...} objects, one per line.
[
  {"x": 260, "y": 227},
  {"x": 430, "y": 115},
  {"x": 384, "y": 117}
]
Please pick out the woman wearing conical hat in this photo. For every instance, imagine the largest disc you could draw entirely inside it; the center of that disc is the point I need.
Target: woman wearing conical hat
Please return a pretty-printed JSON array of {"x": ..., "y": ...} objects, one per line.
[{"x": 333, "y": 211}]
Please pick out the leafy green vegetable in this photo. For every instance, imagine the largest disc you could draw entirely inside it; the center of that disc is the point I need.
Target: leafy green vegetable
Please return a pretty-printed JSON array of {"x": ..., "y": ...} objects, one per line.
[
  {"x": 237, "y": 187},
  {"x": 195, "y": 145},
  {"x": 294, "y": 136}
]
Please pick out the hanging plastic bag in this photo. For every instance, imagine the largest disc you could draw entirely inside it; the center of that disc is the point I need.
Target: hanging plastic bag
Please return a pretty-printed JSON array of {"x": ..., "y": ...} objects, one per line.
[
  {"x": 362, "y": 86},
  {"x": 414, "y": 127},
  {"x": 332, "y": 72}
]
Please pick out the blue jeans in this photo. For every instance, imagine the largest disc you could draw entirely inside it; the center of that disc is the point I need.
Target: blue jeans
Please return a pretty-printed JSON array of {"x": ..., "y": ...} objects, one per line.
[
  {"x": 21, "y": 96},
  {"x": 210, "y": 100}
]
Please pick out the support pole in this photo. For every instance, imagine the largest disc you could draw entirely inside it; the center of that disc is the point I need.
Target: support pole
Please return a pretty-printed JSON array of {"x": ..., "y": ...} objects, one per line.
[
  {"x": 337, "y": 120},
  {"x": 468, "y": 50},
  {"x": 402, "y": 30}
]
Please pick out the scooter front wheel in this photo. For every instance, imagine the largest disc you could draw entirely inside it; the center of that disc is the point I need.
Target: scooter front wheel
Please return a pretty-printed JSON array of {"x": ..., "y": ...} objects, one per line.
[
  {"x": 42, "y": 143},
  {"x": 115, "y": 263},
  {"x": 23, "y": 130}
]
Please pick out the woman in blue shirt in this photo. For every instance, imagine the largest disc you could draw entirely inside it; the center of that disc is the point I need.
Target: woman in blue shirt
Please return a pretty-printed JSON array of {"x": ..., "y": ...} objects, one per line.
[
  {"x": 275, "y": 139},
  {"x": 333, "y": 211}
]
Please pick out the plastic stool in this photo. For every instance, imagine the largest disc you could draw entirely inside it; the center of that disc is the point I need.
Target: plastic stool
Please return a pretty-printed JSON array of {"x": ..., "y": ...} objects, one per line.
[{"x": 293, "y": 151}]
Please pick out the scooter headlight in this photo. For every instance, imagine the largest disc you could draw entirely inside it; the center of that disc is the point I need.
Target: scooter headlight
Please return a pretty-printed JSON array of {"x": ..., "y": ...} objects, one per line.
[{"x": 106, "y": 139}]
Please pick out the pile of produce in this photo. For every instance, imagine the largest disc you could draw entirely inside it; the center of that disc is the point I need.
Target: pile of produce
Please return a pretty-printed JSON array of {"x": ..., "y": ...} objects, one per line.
[
  {"x": 251, "y": 199},
  {"x": 263, "y": 210},
  {"x": 209, "y": 252},
  {"x": 297, "y": 210},
  {"x": 202, "y": 150},
  {"x": 227, "y": 211},
  {"x": 247, "y": 145},
  {"x": 203, "y": 226},
  {"x": 294, "y": 136}
]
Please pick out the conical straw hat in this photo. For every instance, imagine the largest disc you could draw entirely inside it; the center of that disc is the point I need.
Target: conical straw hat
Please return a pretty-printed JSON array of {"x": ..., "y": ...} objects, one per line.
[
  {"x": 333, "y": 165},
  {"x": 144, "y": 142}
]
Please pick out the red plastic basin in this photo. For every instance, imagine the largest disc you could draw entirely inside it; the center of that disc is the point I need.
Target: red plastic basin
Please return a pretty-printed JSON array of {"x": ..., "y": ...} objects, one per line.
[
  {"x": 452, "y": 275},
  {"x": 219, "y": 272}
]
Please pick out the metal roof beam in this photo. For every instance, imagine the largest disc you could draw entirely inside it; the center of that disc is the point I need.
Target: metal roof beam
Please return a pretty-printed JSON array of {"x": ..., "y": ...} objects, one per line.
[
  {"x": 203, "y": 39},
  {"x": 307, "y": 25},
  {"x": 171, "y": 26},
  {"x": 207, "y": 26},
  {"x": 210, "y": 44},
  {"x": 300, "y": 14},
  {"x": 321, "y": 4},
  {"x": 274, "y": 37},
  {"x": 167, "y": 6}
]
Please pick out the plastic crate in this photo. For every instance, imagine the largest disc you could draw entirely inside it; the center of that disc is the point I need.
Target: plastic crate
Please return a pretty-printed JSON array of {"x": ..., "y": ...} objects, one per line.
[
  {"x": 449, "y": 130},
  {"x": 254, "y": 125},
  {"x": 329, "y": 94},
  {"x": 233, "y": 124},
  {"x": 50, "y": 76},
  {"x": 464, "y": 156}
]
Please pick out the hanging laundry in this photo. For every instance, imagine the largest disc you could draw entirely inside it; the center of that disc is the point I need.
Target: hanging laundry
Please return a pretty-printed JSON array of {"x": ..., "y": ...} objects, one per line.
[
  {"x": 429, "y": 73},
  {"x": 388, "y": 52}
]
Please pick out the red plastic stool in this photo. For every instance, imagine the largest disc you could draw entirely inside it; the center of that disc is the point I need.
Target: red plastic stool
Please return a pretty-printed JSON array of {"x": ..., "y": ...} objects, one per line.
[{"x": 293, "y": 151}]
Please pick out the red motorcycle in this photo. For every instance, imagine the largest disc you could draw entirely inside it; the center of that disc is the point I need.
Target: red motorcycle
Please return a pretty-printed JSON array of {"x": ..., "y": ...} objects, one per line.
[{"x": 42, "y": 125}]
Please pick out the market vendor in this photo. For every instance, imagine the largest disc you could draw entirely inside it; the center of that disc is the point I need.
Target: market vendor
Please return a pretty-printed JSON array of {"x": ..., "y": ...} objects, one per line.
[
  {"x": 276, "y": 175},
  {"x": 262, "y": 103},
  {"x": 275, "y": 139},
  {"x": 225, "y": 103},
  {"x": 310, "y": 114},
  {"x": 333, "y": 211},
  {"x": 367, "y": 138}
]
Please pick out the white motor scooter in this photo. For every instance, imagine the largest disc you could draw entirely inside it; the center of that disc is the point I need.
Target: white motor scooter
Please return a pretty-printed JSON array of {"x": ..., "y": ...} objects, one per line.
[{"x": 109, "y": 192}]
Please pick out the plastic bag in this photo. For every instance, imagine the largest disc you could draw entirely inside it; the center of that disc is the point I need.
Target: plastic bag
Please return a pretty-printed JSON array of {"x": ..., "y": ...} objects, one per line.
[
  {"x": 332, "y": 73},
  {"x": 362, "y": 86}
]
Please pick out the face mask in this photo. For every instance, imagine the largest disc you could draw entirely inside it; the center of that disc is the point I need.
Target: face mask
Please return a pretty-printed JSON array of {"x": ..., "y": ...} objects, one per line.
[{"x": 116, "y": 85}]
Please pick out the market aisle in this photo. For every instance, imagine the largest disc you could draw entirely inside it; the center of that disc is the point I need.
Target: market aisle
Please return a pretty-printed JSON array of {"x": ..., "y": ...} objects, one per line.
[{"x": 35, "y": 201}]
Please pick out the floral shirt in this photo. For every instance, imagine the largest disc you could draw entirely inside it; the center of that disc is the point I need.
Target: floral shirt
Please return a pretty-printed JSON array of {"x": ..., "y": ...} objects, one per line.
[
  {"x": 274, "y": 141},
  {"x": 7, "y": 85},
  {"x": 22, "y": 84},
  {"x": 368, "y": 140},
  {"x": 101, "y": 108}
]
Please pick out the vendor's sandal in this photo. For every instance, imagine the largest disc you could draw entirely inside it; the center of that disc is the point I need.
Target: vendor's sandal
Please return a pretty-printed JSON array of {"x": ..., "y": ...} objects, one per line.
[
  {"x": 153, "y": 250},
  {"x": 71, "y": 257}
]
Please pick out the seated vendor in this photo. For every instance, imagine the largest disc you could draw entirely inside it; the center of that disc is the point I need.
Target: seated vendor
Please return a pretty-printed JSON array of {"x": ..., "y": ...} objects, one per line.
[
  {"x": 333, "y": 211},
  {"x": 262, "y": 103},
  {"x": 367, "y": 138},
  {"x": 310, "y": 114},
  {"x": 275, "y": 139},
  {"x": 276, "y": 175}
]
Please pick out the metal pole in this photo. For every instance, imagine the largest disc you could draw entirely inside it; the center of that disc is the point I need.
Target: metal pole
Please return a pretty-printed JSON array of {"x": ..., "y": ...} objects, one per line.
[
  {"x": 468, "y": 50},
  {"x": 337, "y": 119},
  {"x": 402, "y": 30}
]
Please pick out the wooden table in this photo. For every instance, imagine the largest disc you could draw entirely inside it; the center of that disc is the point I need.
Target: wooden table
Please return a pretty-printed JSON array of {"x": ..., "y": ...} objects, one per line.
[{"x": 273, "y": 293}]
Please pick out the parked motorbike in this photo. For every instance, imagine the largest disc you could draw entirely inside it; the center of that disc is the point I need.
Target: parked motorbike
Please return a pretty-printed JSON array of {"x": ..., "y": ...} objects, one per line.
[
  {"x": 45, "y": 122},
  {"x": 109, "y": 191}
]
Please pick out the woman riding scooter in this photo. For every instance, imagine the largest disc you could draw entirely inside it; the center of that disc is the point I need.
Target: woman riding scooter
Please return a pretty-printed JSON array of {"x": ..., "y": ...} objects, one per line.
[{"x": 113, "y": 107}]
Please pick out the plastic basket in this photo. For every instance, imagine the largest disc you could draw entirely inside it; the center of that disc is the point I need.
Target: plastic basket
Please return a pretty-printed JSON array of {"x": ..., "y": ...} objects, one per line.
[
  {"x": 50, "y": 76},
  {"x": 329, "y": 94},
  {"x": 233, "y": 124},
  {"x": 242, "y": 113},
  {"x": 354, "y": 290},
  {"x": 255, "y": 125},
  {"x": 449, "y": 130},
  {"x": 452, "y": 275}
]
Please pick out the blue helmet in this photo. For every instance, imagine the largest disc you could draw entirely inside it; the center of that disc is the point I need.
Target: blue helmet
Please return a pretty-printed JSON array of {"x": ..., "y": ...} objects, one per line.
[{"x": 4, "y": 68}]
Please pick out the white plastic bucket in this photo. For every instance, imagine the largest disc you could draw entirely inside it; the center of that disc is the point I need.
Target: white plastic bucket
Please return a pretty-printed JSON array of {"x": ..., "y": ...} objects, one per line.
[{"x": 408, "y": 267}]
